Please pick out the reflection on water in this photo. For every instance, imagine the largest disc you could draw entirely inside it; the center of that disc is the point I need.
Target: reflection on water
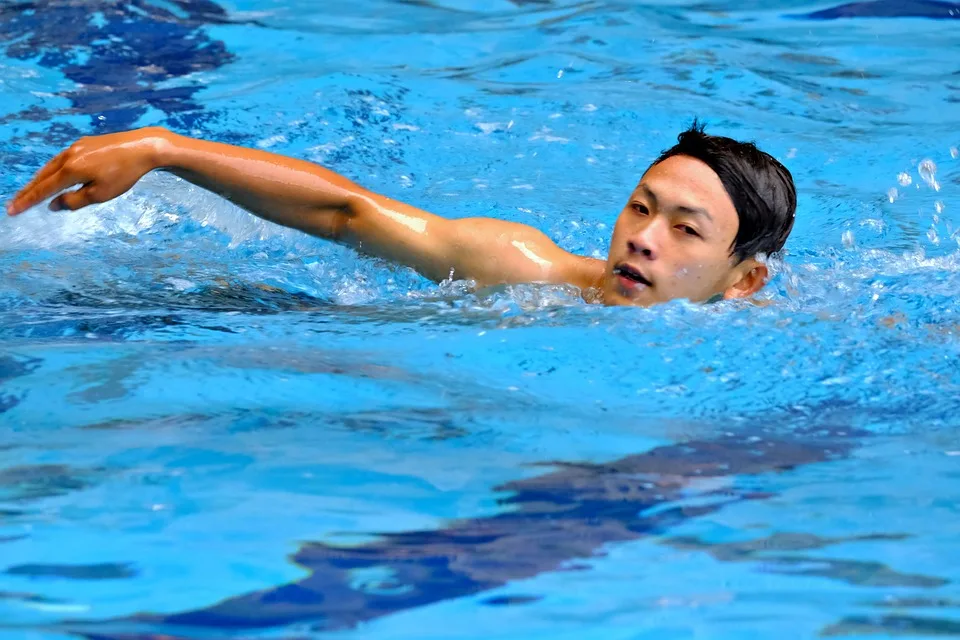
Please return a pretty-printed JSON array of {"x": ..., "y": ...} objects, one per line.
[
  {"x": 118, "y": 54},
  {"x": 551, "y": 522}
]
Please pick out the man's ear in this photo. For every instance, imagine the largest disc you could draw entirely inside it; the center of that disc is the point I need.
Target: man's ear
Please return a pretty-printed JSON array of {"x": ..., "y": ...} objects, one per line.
[{"x": 752, "y": 276}]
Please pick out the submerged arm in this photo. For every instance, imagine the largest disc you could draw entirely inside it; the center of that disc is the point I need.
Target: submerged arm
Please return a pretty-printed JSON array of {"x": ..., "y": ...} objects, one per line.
[{"x": 305, "y": 196}]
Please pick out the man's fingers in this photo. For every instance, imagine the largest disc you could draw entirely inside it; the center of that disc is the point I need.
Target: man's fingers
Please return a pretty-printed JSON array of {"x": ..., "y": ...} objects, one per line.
[
  {"x": 45, "y": 172},
  {"x": 48, "y": 169},
  {"x": 42, "y": 190},
  {"x": 74, "y": 200}
]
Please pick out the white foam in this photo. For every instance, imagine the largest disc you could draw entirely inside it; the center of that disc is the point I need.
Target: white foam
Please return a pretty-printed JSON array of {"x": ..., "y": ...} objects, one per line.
[{"x": 158, "y": 201}]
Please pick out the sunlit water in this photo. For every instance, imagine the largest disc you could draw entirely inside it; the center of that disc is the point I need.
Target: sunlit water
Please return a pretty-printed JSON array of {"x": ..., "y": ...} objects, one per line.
[{"x": 191, "y": 396}]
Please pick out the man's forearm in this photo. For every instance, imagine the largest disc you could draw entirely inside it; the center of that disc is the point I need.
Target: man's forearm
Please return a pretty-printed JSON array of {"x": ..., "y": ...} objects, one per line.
[{"x": 294, "y": 193}]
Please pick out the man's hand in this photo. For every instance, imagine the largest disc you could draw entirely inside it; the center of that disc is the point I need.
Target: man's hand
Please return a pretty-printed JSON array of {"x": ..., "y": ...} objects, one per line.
[{"x": 107, "y": 166}]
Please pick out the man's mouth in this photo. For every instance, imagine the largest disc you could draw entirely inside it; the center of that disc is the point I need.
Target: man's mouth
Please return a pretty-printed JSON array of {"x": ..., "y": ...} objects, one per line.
[{"x": 631, "y": 275}]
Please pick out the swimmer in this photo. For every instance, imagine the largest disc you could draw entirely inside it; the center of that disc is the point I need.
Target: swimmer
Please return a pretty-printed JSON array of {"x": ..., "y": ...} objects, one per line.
[{"x": 696, "y": 227}]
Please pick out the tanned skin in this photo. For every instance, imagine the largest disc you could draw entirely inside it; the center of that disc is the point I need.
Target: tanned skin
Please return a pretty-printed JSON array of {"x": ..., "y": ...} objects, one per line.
[{"x": 672, "y": 240}]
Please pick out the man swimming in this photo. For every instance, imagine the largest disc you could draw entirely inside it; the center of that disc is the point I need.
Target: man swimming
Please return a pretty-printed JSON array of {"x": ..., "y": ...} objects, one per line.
[{"x": 696, "y": 227}]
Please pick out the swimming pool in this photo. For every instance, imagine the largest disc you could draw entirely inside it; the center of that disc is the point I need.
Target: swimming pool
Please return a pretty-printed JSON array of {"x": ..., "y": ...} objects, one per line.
[{"x": 214, "y": 428}]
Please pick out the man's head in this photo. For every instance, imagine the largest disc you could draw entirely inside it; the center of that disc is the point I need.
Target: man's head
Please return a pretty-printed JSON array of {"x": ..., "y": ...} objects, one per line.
[{"x": 697, "y": 221}]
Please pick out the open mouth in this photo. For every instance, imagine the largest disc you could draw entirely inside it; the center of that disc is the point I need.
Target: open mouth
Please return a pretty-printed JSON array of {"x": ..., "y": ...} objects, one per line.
[{"x": 628, "y": 272}]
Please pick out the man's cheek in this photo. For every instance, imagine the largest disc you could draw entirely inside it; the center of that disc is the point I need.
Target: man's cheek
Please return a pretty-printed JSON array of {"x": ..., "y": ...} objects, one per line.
[{"x": 689, "y": 273}]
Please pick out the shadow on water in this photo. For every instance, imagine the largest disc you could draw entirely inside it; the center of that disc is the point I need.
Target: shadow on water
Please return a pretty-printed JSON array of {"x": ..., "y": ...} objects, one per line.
[
  {"x": 932, "y": 9},
  {"x": 13, "y": 367},
  {"x": 552, "y": 522},
  {"x": 28, "y": 483},
  {"x": 118, "y": 313},
  {"x": 778, "y": 554},
  {"x": 122, "y": 55}
]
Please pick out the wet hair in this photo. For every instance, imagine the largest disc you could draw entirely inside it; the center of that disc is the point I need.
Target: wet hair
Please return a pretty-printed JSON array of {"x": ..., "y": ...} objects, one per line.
[{"x": 761, "y": 188}]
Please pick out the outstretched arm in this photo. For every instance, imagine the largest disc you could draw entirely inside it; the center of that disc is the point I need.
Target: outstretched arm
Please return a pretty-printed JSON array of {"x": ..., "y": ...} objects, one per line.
[{"x": 308, "y": 197}]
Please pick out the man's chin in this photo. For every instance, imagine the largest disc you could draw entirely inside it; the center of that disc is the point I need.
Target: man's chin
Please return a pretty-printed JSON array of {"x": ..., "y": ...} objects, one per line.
[{"x": 612, "y": 297}]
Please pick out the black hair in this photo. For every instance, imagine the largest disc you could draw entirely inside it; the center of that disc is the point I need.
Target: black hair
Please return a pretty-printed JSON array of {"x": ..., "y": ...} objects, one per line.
[{"x": 761, "y": 188}]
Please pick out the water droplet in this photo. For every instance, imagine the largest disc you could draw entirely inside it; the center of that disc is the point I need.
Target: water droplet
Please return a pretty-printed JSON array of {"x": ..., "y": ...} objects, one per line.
[
  {"x": 938, "y": 205},
  {"x": 892, "y": 194},
  {"x": 848, "y": 239},
  {"x": 560, "y": 73},
  {"x": 904, "y": 179},
  {"x": 954, "y": 152},
  {"x": 928, "y": 172},
  {"x": 932, "y": 235}
]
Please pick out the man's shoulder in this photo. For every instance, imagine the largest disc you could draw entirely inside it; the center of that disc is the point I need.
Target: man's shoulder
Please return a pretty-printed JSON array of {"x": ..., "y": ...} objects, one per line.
[{"x": 582, "y": 272}]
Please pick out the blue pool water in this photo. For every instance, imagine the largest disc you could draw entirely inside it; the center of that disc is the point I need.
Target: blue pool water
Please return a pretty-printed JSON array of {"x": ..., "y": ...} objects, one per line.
[{"x": 211, "y": 427}]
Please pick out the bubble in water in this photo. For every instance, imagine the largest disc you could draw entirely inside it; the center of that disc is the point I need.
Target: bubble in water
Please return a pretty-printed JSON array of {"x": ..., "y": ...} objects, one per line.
[
  {"x": 954, "y": 152},
  {"x": 904, "y": 179},
  {"x": 928, "y": 171},
  {"x": 938, "y": 205},
  {"x": 892, "y": 194},
  {"x": 932, "y": 235},
  {"x": 848, "y": 239}
]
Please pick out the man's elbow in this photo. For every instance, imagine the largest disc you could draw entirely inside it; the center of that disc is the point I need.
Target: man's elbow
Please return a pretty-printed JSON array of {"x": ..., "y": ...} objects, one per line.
[{"x": 342, "y": 224}]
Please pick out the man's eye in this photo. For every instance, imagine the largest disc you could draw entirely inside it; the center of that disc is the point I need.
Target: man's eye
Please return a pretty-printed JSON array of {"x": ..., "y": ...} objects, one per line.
[
  {"x": 640, "y": 208},
  {"x": 690, "y": 231}
]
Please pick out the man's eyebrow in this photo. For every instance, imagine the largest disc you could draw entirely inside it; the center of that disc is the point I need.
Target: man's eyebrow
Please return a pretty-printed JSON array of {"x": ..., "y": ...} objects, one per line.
[{"x": 697, "y": 211}]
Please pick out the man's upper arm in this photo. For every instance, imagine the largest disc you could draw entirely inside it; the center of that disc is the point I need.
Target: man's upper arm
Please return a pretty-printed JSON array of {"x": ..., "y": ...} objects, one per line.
[
  {"x": 492, "y": 251},
  {"x": 486, "y": 250}
]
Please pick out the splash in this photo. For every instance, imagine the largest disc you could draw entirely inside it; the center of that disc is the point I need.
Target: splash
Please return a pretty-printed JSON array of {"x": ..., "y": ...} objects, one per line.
[{"x": 928, "y": 173}]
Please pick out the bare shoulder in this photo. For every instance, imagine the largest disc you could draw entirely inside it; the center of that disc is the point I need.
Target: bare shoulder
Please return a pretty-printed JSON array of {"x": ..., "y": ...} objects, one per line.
[
  {"x": 518, "y": 253},
  {"x": 585, "y": 273},
  {"x": 488, "y": 251}
]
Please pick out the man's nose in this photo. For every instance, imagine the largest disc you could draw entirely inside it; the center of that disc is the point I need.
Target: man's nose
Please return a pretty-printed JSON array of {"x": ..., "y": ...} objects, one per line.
[{"x": 646, "y": 240}]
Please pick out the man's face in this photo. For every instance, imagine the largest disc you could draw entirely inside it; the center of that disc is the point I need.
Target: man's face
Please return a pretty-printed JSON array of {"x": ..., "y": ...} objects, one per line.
[{"x": 673, "y": 240}]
